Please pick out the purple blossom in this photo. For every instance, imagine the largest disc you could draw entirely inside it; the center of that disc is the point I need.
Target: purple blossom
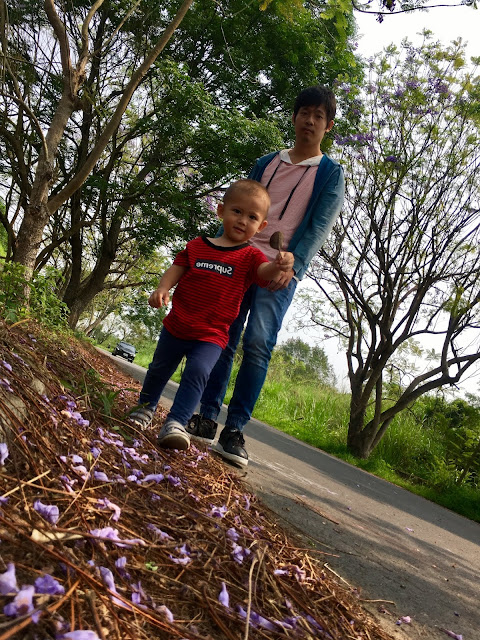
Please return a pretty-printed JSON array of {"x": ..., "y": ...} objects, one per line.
[
  {"x": 281, "y": 572},
  {"x": 82, "y": 471},
  {"x": 138, "y": 593},
  {"x": 158, "y": 532},
  {"x": 183, "y": 561},
  {"x": 121, "y": 563},
  {"x": 107, "y": 577},
  {"x": 80, "y": 635},
  {"x": 218, "y": 512},
  {"x": 299, "y": 573},
  {"x": 391, "y": 159},
  {"x": 233, "y": 534},
  {"x": 314, "y": 623},
  {"x": 96, "y": 452},
  {"x": 49, "y": 512},
  {"x": 174, "y": 481},
  {"x": 153, "y": 477},
  {"x": 6, "y": 383},
  {"x": 105, "y": 503},
  {"x": 162, "y": 609},
  {"x": 48, "y": 584},
  {"x": 3, "y": 453},
  {"x": 22, "y": 603},
  {"x": 239, "y": 553},
  {"x": 8, "y": 580},
  {"x": 223, "y": 596},
  {"x": 101, "y": 476},
  {"x": 79, "y": 419},
  {"x": 108, "y": 533},
  {"x": 7, "y": 366},
  {"x": 451, "y": 634}
]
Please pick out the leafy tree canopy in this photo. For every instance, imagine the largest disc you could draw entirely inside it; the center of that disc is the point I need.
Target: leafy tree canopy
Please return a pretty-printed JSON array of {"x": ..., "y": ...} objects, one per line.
[{"x": 401, "y": 270}]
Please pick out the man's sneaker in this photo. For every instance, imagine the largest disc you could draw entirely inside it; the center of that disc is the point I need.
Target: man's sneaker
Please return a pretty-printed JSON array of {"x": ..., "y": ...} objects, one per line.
[
  {"x": 200, "y": 428},
  {"x": 231, "y": 446},
  {"x": 141, "y": 417},
  {"x": 173, "y": 436}
]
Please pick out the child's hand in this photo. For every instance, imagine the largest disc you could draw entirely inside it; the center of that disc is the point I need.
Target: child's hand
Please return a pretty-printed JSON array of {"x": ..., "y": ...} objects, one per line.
[
  {"x": 159, "y": 297},
  {"x": 284, "y": 260}
]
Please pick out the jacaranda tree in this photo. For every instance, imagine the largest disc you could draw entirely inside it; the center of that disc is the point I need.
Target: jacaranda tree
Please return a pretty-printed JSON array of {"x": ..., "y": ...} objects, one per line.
[{"x": 399, "y": 279}]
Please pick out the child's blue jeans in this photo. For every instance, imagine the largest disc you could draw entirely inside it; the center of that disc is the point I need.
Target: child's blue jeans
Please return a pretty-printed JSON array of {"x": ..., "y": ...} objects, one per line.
[
  {"x": 201, "y": 358},
  {"x": 265, "y": 310}
]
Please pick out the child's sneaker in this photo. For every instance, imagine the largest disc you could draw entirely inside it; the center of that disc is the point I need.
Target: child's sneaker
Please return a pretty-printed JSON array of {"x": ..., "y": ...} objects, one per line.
[
  {"x": 173, "y": 436},
  {"x": 141, "y": 417},
  {"x": 231, "y": 446},
  {"x": 200, "y": 428}
]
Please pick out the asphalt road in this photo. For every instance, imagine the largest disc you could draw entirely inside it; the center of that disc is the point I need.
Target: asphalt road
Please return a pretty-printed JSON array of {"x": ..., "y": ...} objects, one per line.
[{"x": 404, "y": 554}]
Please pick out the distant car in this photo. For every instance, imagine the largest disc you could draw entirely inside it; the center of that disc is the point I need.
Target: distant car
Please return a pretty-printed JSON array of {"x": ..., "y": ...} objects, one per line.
[{"x": 125, "y": 350}]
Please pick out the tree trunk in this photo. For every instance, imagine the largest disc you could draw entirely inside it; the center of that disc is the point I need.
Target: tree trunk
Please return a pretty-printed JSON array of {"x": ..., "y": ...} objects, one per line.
[{"x": 37, "y": 213}]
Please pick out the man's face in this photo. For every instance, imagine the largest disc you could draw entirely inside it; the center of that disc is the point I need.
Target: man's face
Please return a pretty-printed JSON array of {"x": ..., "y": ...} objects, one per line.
[{"x": 311, "y": 125}]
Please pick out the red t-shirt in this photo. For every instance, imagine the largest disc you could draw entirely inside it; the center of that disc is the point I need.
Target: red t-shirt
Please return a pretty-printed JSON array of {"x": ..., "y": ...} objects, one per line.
[{"x": 208, "y": 296}]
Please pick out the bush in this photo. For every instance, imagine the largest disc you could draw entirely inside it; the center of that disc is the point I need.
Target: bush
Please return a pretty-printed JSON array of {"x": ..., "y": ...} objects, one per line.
[{"x": 36, "y": 298}]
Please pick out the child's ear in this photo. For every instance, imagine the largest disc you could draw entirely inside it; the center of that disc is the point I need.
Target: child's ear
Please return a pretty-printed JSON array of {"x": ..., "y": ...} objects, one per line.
[
  {"x": 262, "y": 226},
  {"x": 330, "y": 125},
  {"x": 220, "y": 210}
]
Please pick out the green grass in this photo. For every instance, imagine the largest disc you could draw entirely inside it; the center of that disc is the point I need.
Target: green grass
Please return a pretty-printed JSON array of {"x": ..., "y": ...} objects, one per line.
[{"x": 410, "y": 455}]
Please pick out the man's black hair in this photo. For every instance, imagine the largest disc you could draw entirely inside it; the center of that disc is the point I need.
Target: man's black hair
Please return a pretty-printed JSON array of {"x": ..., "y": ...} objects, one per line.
[{"x": 318, "y": 96}]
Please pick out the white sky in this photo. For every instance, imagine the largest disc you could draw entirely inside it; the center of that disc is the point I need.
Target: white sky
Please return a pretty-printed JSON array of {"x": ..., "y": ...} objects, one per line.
[{"x": 447, "y": 24}]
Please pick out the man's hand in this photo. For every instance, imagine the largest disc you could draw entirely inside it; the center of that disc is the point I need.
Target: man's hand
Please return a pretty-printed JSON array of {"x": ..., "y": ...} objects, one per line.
[
  {"x": 281, "y": 281},
  {"x": 159, "y": 297},
  {"x": 284, "y": 260}
]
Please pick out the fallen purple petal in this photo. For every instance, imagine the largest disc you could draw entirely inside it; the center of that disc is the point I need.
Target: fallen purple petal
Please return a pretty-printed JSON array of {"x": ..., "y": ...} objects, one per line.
[
  {"x": 409, "y": 529},
  {"x": 7, "y": 366},
  {"x": 105, "y": 503},
  {"x": 82, "y": 471},
  {"x": 49, "y": 512},
  {"x": 218, "y": 512},
  {"x": 22, "y": 603},
  {"x": 153, "y": 477},
  {"x": 101, "y": 476},
  {"x": 451, "y": 634},
  {"x": 121, "y": 563},
  {"x": 108, "y": 533},
  {"x": 80, "y": 635},
  {"x": 3, "y": 453},
  {"x": 166, "y": 612},
  {"x": 174, "y": 481},
  {"x": 404, "y": 620},
  {"x": 8, "y": 580},
  {"x": 186, "y": 560},
  {"x": 233, "y": 534},
  {"x": 107, "y": 577},
  {"x": 158, "y": 532},
  {"x": 223, "y": 596},
  {"x": 48, "y": 584}
]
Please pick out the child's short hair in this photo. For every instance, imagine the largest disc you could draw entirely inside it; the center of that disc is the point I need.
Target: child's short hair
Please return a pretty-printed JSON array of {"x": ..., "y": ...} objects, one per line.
[
  {"x": 317, "y": 96},
  {"x": 248, "y": 186}
]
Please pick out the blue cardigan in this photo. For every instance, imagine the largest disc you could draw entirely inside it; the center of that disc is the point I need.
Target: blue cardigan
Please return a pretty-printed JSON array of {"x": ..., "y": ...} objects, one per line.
[{"x": 322, "y": 209}]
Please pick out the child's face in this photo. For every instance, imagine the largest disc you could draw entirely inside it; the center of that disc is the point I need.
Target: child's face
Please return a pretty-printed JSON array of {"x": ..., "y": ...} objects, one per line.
[
  {"x": 311, "y": 124},
  {"x": 243, "y": 215}
]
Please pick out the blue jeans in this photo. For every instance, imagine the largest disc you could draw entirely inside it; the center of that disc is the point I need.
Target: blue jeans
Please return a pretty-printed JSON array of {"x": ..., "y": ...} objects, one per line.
[
  {"x": 201, "y": 358},
  {"x": 267, "y": 310}
]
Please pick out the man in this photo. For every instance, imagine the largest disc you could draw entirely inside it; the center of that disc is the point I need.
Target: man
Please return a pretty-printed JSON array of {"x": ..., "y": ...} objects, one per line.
[{"x": 306, "y": 189}]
